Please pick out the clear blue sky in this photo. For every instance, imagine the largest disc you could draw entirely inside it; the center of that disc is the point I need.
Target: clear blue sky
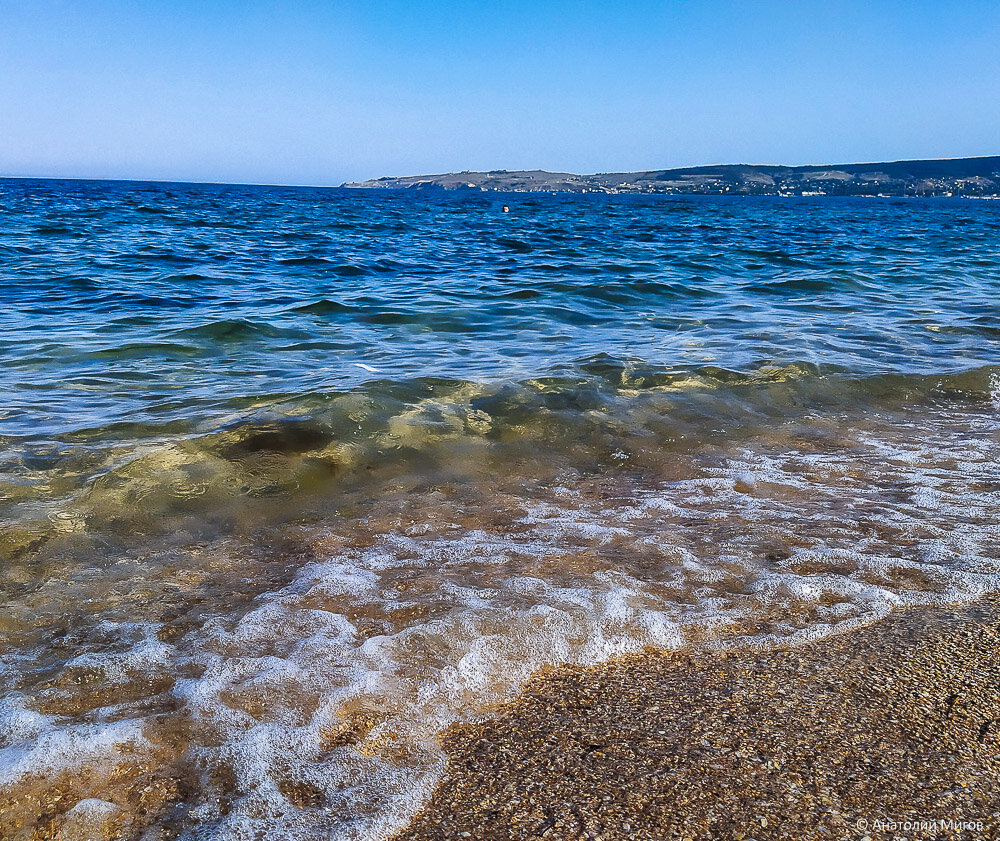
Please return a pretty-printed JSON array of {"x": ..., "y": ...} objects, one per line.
[{"x": 322, "y": 92}]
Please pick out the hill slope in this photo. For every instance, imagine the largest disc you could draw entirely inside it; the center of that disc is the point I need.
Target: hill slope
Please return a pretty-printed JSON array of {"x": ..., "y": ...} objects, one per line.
[{"x": 956, "y": 176}]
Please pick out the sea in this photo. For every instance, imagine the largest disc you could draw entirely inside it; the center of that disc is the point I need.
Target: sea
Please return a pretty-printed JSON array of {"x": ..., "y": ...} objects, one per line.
[{"x": 292, "y": 480}]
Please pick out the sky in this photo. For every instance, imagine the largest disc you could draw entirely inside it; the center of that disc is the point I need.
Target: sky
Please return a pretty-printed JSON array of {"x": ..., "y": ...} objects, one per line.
[{"x": 316, "y": 92}]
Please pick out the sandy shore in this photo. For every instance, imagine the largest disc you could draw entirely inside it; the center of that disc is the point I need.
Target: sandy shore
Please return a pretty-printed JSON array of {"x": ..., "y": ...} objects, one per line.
[{"x": 852, "y": 736}]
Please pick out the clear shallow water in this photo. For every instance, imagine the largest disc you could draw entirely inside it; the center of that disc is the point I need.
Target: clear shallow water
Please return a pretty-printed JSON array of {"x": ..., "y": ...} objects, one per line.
[{"x": 292, "y": 479}]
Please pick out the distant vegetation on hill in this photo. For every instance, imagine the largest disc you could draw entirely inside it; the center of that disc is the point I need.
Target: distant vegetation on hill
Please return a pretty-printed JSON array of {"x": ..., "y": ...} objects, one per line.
[{"x": 953, "y": 177}]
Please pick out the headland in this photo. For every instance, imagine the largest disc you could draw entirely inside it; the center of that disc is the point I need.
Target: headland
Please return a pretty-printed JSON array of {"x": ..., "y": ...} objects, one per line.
[{"x": 969, "y": 177}]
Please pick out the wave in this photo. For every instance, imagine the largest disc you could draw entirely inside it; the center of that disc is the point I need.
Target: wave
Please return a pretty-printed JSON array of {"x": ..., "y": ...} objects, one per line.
[
  {"x": 326, "y": 306},
  {"x": 59, "y": 230},
  {"x": 303, "y": 261},
  {"x": 341, "y": 270},
  {"x": 806, "y": 285},
  {"x": 143, "y": 350},
  {"x": 237, "y": 330},
  {"x": 456, "y": 544},
  {"x": 350, "y": 270},
  {"x": 305, "y": 447},
  {"x": 515, "y": 245}
]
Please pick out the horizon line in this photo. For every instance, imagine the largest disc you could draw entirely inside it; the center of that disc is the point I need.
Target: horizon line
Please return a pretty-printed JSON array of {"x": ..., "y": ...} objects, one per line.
[{"x": 6, "y": 177}]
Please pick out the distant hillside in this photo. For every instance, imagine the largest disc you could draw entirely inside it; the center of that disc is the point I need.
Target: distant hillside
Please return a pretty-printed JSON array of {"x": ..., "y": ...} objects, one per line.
[{"x": 956, "y": 176}]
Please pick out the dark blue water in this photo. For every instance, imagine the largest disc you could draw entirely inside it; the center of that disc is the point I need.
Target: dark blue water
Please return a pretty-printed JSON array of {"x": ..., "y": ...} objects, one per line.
[
  {"x": 171, "y": 303},
  {"x": 293, "y": 479}
]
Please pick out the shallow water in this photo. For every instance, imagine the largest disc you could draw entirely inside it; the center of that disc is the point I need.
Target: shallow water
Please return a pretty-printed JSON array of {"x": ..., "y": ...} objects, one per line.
[{"x": 293, "y": 479}]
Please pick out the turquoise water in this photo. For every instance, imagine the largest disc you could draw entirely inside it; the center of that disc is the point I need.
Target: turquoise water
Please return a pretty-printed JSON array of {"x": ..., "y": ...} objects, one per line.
[{"x": 291, "y": 479}]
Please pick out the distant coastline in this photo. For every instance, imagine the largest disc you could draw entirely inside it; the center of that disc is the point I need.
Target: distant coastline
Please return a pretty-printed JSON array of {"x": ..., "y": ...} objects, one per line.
[{"x": 965, "y": 177}]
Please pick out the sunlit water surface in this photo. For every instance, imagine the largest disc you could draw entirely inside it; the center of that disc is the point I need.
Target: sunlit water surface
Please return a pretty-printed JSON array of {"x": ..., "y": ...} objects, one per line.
[{"x": 293, "y": 479}]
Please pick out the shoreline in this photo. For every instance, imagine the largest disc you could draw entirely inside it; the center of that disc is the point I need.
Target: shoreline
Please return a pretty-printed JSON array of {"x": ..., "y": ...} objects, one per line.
[{"x": 889, "y": 730}]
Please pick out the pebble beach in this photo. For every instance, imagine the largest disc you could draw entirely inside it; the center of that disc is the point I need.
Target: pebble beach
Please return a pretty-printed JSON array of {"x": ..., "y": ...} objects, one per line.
[{"x": 888, "y": 731}]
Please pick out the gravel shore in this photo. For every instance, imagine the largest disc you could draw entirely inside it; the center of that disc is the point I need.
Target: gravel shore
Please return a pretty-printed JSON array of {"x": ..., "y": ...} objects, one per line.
[{"x": 887, "y": 731}]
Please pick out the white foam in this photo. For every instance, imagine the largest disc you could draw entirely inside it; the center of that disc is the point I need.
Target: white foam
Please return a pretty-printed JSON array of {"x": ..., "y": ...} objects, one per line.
[
  {"x": 149, "y": 656},
  {"x": 18, "y": 723},
  {"x": 59, "y": 747},
  {"x": 431, "y": 624}
]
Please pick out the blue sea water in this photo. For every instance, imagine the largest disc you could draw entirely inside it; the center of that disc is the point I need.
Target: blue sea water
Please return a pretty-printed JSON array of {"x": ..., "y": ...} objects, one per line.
[
  {"x": 160, "y": 303},
  {"x": 292, "y": 478}
]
